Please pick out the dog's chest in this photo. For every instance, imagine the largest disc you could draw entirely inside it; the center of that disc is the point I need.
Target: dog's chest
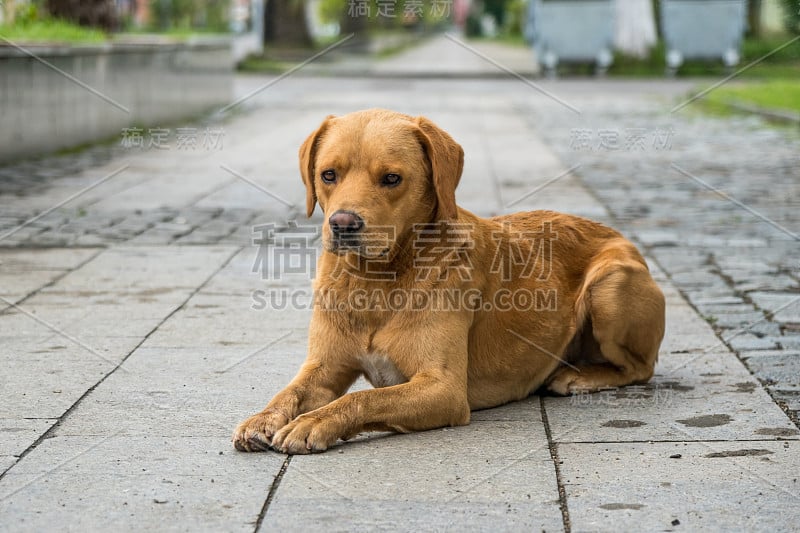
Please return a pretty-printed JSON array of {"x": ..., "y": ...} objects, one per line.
[{"x": 380, "y": 371}]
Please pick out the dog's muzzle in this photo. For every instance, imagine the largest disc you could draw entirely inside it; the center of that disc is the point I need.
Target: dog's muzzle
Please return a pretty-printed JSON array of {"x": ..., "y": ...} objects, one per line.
[{"x": 346, "y": 229}]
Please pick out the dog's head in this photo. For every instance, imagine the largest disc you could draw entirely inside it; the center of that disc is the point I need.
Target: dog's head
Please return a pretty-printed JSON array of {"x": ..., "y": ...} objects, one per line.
[{"x": 375, "y": 174}]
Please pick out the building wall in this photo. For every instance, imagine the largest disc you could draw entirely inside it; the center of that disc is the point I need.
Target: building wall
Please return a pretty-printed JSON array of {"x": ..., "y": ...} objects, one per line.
[{"x": 68, "y": 96}]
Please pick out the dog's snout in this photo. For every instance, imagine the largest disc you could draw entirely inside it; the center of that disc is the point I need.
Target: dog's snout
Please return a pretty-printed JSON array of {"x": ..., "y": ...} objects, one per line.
[{"x": 343, "y": 222}]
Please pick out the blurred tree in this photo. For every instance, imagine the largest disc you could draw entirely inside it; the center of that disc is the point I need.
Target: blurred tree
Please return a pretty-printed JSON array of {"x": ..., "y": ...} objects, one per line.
[
  {"x": 358, "y": 15},
  {"x": 94, "y": 13},
  {"x": 792, "y": 15},
  {"x": 497, "y": 9},
  {"x": 285, "y": 23},
  {"x": 190, "y": 14},
  {"x": 754, "y": 18}
]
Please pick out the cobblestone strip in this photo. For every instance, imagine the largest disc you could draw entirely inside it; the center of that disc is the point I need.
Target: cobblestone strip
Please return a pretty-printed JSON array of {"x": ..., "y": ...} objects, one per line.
[
  {"x": 739, "y": 272},
  {"x": 190, "y": 226}
]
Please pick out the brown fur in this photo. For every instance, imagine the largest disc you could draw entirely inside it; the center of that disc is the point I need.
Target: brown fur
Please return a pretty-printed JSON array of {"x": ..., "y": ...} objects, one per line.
[{"x": 600, "y": 323}]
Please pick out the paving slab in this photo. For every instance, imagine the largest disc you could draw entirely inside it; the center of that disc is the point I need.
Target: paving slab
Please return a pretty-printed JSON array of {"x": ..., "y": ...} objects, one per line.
[
  {"x": 130, "y": 267},
  {"x": 779, "y": 369},
  {"x": 16, "y": 434},
  {"x": 16, "y": 286},
  {"x": 188, "y": 391},
  {"x": 705, "y": 393},
  {"x": 24, "y": 260},
  {"x": 45, "y": 379},
  {"x": 47, "y": 388},
  {"x": 6, "y": 462},
  {"x": 713, "y": 398},
  {"x": 23, "y": 272},
  {"x": 785, "y": 307},
  {"x": 440, "y": 56},
  {"x": 457, "y": 483},
  {"x": 680, "y": 486},
  {"x": 108, "y": 482}
]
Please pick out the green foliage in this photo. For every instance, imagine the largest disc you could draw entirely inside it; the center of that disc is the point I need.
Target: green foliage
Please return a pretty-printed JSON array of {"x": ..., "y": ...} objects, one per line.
[
  {"x": 516, "y": 12},
  {"x": 753, "y": 49},
  {"x": 208, "y": 15},
  {"x": 653, "y": 65},
  {"x": 473, "y": 26},
  {"x": 791, "y": 19},
  {"x": 332, "y": 10},
  {"x": 31, "y": 22},
  {"x": 497, "y": 9},
  {"x": 26, "y": 13},
  {"x": 508, "y": 14},
  {"x": 50, "y": 30}
]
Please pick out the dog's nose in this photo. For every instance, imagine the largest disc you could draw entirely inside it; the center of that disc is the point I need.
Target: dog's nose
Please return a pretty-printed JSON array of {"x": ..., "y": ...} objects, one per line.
[{"x": 345, "y": 222}]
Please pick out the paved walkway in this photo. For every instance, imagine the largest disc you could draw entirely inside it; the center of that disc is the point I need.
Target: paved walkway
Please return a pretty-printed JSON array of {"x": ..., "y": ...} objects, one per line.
[
  {"x": 448, "y": 55},
  {"x": 132, "y": 341}
]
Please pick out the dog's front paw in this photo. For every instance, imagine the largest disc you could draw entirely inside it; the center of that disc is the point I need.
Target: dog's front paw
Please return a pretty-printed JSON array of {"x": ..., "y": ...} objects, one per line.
[
  {"x": 256, "y": 433},
  {"x": 306, "y": 434}
]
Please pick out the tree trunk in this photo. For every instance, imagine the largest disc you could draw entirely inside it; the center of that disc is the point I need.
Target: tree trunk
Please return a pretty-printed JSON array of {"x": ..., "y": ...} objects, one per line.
[
  {"x": 357, "y": 25},
  {"x": 93, "y": 13},
  {"x": 285, "y": 23},
  {"x": 754, "y": 18}
]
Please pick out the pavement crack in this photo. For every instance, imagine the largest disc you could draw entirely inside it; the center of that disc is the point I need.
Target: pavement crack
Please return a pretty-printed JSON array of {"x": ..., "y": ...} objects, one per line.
[
  {"x": 562, "y": 491},
  {"x": 53, "y": 281},
  {"x": 49, "y": 433},
  {"x": 273, "y": 489}
]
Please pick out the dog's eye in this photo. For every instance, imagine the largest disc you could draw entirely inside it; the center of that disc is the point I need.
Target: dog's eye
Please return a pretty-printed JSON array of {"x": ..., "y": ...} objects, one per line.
[
  {"x": 329, "y": 176},
  {"x": 390, "y": 180}
]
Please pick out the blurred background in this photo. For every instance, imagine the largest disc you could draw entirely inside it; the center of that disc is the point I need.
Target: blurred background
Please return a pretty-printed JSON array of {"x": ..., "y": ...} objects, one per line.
[
  {"x": 190, "y": 51},
  {"x": 148, "y": 148},
  {"x": 638, "y": 26}
]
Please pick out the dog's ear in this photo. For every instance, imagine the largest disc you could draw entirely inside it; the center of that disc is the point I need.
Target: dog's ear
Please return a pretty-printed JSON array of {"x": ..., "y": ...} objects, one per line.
[
  {"x": 307, "y": 159},
  {"x": 447, "y": 162}
]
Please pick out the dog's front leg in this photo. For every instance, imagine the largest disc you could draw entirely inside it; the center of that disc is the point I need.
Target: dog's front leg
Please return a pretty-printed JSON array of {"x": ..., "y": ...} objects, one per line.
[
  {"x": 435, "y": 396},
  {"x": 425, "y": 402},
  {"x": 314, "y": 386},
  {"x": 325, "y": 375}
]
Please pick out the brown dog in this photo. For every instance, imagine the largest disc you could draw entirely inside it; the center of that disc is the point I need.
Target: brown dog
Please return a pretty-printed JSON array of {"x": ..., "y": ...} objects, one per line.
[{"x": 453, "y": 312}]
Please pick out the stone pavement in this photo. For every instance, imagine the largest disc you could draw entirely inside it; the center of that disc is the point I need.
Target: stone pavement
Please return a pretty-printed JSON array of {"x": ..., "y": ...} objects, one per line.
[
  {"x": 440, "y": 56},
  {"x": 717, "y": 204},
  {"x": 132, "y": 340}
]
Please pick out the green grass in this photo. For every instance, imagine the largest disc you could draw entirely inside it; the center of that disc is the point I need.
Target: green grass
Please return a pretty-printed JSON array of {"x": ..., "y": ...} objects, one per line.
[
  {"x": 51, "y": 31},
  {"x": 258, "y": 63},
  {"x": 511, "y": 39},
  {"x": 785, "y": 63},
  {"x": 60, "y": 31},
  {"x": 178, "y": 34},
  {"x": 774, "y": 94}
]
